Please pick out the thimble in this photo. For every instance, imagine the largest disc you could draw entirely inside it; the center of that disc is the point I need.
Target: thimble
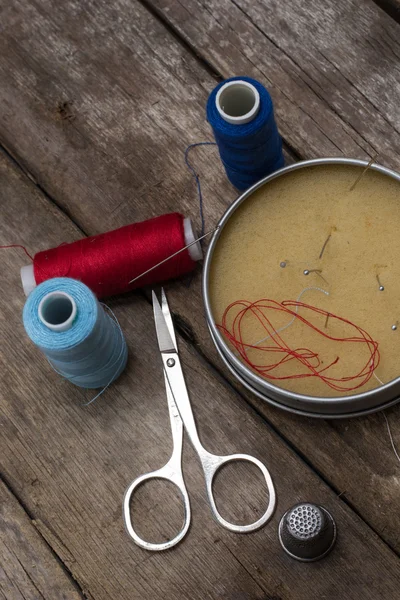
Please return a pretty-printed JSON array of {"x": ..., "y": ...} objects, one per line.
[{"x": 307, "y": 532}]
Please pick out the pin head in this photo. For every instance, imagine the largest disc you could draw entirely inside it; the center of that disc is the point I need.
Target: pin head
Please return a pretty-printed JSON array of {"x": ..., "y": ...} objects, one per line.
[
  {"x": 381, "y": 288},
  {"x": 306, "y": 272},
  {"x": 282, "y": 264},
  {"x": 394, "y": 327}
]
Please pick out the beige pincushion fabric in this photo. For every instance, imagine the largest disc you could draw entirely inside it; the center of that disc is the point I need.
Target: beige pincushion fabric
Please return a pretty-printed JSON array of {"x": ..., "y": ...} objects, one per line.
[{"x": 288, "y": 220}]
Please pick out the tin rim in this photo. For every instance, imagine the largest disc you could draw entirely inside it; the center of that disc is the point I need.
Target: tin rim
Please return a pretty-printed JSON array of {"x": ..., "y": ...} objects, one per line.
[
  {"x": 356, "y": 404},
  {"x": 298, "y": 411}
]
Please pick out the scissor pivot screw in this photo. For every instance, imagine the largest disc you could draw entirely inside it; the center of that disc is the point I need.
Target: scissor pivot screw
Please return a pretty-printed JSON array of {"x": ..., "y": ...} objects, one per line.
[{"x": 170, "y": 362}]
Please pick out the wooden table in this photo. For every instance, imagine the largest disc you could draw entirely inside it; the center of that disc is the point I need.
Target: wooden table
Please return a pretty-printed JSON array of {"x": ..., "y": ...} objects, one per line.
[{"x": 98, "y": 101}]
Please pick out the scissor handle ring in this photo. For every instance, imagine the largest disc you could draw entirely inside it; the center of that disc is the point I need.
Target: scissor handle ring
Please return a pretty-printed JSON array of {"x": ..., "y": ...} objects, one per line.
[
  {"x": 212, "y": 464},
  {"x": 166, "y": 475}
]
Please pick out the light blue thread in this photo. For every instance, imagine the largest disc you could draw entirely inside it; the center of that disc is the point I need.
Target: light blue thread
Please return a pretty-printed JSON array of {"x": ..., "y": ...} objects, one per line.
[
  {"x": 93, "y": 352},
  {"x": 248, "y": 151}
]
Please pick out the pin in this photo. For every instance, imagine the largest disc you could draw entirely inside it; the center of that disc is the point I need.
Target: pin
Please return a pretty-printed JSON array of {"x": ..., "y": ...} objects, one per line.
[
  {"x": 364, "y": 171},
  {"x": 317, "y": 271},
  {"x": 324, "y": 246},
  {"x": 175, "y": 253},
  {"x": 381, "y": 288},
  {"x": 283, "y": 264},
  {"x": 326, "y": 320},
  {"x": 394, "y": 327}
]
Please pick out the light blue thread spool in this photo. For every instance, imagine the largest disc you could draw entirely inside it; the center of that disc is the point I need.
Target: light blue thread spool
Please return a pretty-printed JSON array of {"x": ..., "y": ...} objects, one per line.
[{"x": 81, "y": 341}]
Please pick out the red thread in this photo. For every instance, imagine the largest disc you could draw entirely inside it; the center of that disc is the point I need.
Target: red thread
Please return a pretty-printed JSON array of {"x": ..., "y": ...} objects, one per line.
[
  {"x": 106, "y": 263},
  {"x": 18, "y": 246},
  {"x": 307, "y": 358}
]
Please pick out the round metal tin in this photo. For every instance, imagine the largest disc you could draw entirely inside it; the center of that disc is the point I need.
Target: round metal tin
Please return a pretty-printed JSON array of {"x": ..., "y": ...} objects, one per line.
[{"x": 323, "y": 407}]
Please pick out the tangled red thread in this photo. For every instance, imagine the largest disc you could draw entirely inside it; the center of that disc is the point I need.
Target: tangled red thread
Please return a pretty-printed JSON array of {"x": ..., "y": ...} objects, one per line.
[{"x": 237, "y": 311}]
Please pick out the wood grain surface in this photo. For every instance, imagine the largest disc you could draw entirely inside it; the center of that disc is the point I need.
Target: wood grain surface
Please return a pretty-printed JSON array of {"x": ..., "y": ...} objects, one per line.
[
  {"x": 331, "y": 67},
  {"x": 29, "y": 569},
  {"x": 98, "y": 109},
  {"x": 98, "y": 104},
  {"x": 70, "y": 464}
]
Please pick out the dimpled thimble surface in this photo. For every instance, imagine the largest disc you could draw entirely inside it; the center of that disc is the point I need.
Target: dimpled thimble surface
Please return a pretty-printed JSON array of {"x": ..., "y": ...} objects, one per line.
[{"x": 307, "y": 532}]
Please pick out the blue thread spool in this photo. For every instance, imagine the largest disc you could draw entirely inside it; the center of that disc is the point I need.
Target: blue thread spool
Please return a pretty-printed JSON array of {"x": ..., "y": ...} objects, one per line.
[
  {"x": 241, "y": 114},
  {"x": 81, "y": 341}
]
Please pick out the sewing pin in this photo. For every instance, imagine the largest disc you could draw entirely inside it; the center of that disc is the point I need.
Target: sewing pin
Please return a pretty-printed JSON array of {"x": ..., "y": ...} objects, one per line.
[
  {"x": 316, "y": 271},
  {"x": 364, "y": 171},
  {"x": 394, "y": 327},
  {"x": 326, "y": 320},
  {"x": 174, "y": 254},
  {"x": 381, "y": 288},
  {"x": 324, "y": 246}
]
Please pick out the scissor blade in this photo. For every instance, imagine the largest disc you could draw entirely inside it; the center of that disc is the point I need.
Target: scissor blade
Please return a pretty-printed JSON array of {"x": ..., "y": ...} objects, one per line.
[
  {"x": 165, "y": 341},
  {"x": 168, "y": 318}
]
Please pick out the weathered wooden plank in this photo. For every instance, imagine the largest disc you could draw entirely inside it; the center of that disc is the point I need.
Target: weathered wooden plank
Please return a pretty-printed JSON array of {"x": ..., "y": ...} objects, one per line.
[
  {"x": 70, "y": 464},
  {"x": 124, "y": 117},
  {"x": 29, "y": 570},
  {"x": 105, "y": 134},
  {"x": 324, "y": 62},
  {"x": 120, "y": 159},
  {"x": 332, "y": 67}
]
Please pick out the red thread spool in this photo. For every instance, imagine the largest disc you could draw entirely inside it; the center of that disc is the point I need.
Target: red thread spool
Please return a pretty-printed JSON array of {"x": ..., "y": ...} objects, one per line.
[{"x": 106, "y": 263}]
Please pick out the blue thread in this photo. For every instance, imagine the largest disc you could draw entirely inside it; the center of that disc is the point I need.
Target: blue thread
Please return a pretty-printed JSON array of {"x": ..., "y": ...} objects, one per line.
[
  {"x": 93, "y": 352},
  {"x": 198, "y": 180},
  {"x": 250, "y": 151}
]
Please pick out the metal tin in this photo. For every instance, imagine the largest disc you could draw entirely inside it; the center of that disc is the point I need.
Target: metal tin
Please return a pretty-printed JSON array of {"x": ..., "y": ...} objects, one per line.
[{"x": 325, "y": 407}]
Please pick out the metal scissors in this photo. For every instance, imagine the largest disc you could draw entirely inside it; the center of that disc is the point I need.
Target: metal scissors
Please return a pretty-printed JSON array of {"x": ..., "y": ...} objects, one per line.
[{"x": 181, "y": 414}]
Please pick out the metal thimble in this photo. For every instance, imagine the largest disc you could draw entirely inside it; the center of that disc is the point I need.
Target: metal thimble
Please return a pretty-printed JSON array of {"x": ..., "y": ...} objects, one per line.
[{"x": 307, "y": 532}]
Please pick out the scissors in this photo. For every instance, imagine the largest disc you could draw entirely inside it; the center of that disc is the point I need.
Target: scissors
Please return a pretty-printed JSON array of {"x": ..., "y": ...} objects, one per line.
[{"x": 181, "y": 415}]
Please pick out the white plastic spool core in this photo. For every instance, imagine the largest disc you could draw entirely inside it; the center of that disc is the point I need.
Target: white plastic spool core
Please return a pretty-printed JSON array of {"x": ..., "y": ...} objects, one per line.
[
  {"x": 57, "y": 310},
  {"x": 195, "y": 251},
  {"x": 28, "y": 279},
  {"x": 238, "y": 102}
]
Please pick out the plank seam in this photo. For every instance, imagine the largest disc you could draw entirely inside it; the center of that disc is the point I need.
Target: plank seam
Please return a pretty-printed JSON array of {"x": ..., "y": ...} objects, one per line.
[
  {"x": 31, "y": 518},
  {"x": 177, "y": 35},
  {"x": 244, "y": 567},
  {"x": 185, "y": 332},
  {"x": 363, "y": 95},
  {"x": 20, "y": 165},
  {"x": 318, "y": 95},
  {"x": 208, "y": 66},
  {"x": 28, "y": 575}
]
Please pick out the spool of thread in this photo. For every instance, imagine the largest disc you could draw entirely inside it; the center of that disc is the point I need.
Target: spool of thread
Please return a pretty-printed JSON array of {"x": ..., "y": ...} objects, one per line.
[
  {"x": 64, "y": 319},
  {"x": 106, "y": 263},
  {"x": 241, "y": 114}
]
